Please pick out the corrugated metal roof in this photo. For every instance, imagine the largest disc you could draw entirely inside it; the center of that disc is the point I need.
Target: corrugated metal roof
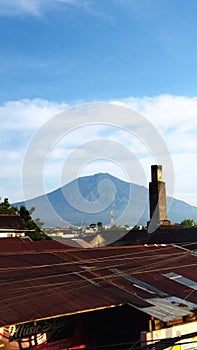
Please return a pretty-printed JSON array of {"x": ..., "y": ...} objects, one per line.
[
  {"x": 38, "y": 285},
  {"x": 25, "y": 244},
  {"x": 180, "y": 279},
  {"x": 12, "y": 222}
]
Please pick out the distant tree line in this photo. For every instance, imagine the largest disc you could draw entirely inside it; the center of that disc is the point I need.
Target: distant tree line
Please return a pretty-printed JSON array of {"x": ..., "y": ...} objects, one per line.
[{"x": 188, "y": 223}]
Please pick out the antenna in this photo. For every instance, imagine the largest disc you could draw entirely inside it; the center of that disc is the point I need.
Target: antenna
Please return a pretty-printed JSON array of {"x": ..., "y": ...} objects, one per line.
[{"x": 111, "y": 217}]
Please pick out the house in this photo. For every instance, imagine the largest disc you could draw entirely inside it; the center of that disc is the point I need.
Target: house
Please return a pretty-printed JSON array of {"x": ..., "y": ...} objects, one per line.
[{"x": 12, "y": 226}]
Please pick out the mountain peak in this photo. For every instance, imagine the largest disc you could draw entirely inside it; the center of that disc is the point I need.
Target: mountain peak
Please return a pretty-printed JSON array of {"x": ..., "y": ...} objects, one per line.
[{"x": 128, "y": 200}]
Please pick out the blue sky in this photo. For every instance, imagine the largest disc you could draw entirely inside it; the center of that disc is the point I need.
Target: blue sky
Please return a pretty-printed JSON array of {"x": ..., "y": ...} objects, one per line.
[
  {"x": 97, "y": 49},
  {"x": 140, "y": 54}
]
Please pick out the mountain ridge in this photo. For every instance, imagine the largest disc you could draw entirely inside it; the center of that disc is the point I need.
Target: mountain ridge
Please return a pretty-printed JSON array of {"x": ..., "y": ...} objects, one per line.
[{"x": 90, "y": 198}]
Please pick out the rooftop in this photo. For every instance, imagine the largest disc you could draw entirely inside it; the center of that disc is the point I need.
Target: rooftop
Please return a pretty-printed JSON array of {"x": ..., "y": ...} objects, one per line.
[
  {"x": 12, "y": 223},
  {"x": 25, "y": 244},
  {"x": 159, "y": 280}
]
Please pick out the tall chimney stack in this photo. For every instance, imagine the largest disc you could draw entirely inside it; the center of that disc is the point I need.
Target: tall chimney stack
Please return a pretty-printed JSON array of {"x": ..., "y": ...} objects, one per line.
[{"x": 157, "y": 197}]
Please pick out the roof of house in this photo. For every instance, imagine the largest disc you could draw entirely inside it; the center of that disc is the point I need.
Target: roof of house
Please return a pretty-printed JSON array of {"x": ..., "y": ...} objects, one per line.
[
  {"x": 12, "y": 223},
  {"x": 158, "y": 280},
  {"x": 25, "y": 244}
]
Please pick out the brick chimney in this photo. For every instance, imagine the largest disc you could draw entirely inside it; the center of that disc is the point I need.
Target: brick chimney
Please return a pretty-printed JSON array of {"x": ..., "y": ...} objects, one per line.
[{"x": 157, "y": 197}]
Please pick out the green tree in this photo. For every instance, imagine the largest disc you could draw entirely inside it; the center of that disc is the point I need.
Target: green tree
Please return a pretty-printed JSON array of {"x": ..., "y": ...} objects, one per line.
[
  {"x": 99, "y": 224},
  {"x": 32, "y": 225},
  {"x": 188, "y": 223},
  {"x": 7, "y": 208}
]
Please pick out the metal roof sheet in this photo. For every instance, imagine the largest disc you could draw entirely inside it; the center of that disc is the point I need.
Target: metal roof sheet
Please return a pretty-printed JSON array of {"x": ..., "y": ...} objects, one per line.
[
  {"x": 12, "y": 222},
  {"x": 23, "y": 244},
  {"x": 39, "y": 285},
  {"x": 182, "y": 280}
]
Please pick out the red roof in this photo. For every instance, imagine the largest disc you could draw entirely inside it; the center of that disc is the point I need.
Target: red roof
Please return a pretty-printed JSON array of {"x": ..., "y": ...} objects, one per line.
[
  {"x": 25, "y": 244},
  {"x": 159, "y": 280},
  {"x": 12, "y": 222}
]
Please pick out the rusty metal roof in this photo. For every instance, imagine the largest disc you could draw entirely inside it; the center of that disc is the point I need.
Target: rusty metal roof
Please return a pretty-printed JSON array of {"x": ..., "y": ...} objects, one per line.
[
  {"x": 25, "y": 244},
  {"x": 12, "y": 222},
  {"x": 39, "y": 285}
]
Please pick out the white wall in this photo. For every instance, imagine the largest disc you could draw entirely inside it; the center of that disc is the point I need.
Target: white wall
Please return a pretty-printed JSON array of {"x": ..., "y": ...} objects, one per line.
[{"x": 148, "y": 338}]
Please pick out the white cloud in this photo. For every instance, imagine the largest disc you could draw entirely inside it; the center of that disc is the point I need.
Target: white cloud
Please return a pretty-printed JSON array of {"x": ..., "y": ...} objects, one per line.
[
  {"x": 173, "y": 116},
  {"x": 33, "y": 7},
  {"x": 28, "y": 114},
  {"x": 164, "y": 109},
  {"x": 16, "y": 7}
]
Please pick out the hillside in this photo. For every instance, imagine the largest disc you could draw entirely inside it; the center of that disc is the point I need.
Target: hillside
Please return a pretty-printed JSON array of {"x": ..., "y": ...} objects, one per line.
[{"x": 54, "y": 208}]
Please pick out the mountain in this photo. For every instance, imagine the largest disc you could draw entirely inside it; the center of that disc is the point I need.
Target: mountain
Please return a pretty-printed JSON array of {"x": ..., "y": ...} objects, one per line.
[{"x": 90, "y": 199}]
